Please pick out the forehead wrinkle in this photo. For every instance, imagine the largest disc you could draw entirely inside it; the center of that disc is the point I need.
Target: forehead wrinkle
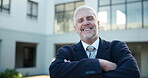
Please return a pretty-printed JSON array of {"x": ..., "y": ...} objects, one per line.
[
  {"x": 82, "y": 14},
  {"x": 86, "y": 17}
]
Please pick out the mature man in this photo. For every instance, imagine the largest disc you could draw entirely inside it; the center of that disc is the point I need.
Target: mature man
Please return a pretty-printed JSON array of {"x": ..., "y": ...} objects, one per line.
[{"x": 93, "y": 57}]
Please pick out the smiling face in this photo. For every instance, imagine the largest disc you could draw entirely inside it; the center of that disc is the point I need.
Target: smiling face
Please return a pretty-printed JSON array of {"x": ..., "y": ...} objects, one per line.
[{"x": 86, "y": 25}]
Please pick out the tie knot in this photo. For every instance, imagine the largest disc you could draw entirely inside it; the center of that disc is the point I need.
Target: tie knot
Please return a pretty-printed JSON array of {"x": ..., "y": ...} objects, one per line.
[{"x": 90, "y": 48}]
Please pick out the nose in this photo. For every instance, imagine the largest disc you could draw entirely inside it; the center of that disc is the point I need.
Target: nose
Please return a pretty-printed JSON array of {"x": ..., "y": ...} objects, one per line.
[{"x": 85, "y": 22}]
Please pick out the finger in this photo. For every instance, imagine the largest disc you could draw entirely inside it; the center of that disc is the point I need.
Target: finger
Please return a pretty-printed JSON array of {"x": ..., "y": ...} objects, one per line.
[{"x": 66, "y": 60}]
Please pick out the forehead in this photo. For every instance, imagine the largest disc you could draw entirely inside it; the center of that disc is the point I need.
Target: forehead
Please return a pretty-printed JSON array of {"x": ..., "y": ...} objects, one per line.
[{"x": 84, "y": 13}]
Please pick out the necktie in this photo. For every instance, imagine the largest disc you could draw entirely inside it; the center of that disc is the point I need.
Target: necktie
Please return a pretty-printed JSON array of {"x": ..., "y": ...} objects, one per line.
[{"x": 91, "y": 50}]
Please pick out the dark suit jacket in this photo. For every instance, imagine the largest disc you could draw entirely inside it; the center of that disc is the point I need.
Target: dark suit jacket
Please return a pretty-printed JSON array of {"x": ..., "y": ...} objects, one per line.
[{"x": 83, "y": 67}]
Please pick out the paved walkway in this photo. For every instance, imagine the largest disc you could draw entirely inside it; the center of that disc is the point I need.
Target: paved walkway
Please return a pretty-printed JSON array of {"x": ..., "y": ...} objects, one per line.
[{"x": 42, "y": 76}]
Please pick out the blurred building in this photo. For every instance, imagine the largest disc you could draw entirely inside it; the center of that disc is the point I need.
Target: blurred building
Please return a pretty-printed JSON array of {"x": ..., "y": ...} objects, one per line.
[{"x": 31, "y": 31}]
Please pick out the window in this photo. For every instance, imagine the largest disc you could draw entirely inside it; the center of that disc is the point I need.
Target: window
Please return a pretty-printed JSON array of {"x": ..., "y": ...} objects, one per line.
[
  {"x": 123, "y": 14},
  {"x": 5, "y": 6},
  {"x": 25, "y": 55},
  {"x": 118, "y": 17},
  {"x": 104, "y": 18},
  {"x": 32, "y": 10},
  {"x": 77, "y": 4},
  {"x": 64, "y": 16},
  {"x": 104, "y": 2},
  {"x": 134, "y": 15},
  {"x": 145, "y": 8},
  {"x": 118, "y": 1},
  {"x": 133, "y": 0}
]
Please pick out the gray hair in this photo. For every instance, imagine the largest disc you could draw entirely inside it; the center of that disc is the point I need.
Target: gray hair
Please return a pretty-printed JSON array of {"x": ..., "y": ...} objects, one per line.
[{"x": 83, "y": 7}]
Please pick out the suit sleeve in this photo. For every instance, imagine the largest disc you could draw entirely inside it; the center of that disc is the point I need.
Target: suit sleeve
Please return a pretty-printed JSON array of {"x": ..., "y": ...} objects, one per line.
[
  {"x": 73, "y": 69},
  {"x": 126, "y": 63}
]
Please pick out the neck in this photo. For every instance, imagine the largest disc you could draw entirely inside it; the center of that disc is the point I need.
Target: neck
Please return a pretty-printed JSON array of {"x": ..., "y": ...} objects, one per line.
[{"x": 90, "y": 41}]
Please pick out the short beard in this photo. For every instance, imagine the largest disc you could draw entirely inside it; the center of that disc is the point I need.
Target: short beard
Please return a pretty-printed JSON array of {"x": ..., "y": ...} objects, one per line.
[{"x": 90, "y": 37}]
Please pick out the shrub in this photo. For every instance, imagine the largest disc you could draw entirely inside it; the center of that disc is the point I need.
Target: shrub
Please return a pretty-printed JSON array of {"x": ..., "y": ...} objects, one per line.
[{"x": 10, "y": 73}]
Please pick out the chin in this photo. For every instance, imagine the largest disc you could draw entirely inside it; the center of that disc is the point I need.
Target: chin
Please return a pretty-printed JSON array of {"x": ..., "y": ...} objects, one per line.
[{"x": 87, "y": 37}]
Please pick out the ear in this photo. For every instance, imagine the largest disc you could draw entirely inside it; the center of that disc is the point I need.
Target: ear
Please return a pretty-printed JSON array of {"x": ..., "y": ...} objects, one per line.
[
  {"x": 75, "y": 29},
  {"x": 98, "y": 22}
]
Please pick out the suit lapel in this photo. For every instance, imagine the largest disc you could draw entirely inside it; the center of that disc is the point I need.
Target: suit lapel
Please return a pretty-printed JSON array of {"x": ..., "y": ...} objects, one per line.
[
  {"x": 103, "y": 49},
  {"x": 79, "y": 51}
]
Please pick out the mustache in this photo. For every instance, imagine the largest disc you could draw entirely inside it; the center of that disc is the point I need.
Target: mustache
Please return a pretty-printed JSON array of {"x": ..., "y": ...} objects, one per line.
[{"x": 88, "y": 26}]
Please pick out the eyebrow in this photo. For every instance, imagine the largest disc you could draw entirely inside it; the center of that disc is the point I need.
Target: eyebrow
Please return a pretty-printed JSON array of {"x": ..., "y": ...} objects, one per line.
[
  {"x": 89, "y": 17},
  {"x": 86, "y": 17}
]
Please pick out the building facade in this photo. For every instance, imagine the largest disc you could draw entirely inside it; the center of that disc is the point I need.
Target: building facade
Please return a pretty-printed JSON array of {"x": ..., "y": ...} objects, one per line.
[{"x": 31, "y": 31}]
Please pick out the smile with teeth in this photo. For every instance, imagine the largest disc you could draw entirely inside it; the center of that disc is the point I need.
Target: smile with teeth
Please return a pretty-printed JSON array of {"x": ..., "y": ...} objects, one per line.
[{"x": 86, "y": 28}]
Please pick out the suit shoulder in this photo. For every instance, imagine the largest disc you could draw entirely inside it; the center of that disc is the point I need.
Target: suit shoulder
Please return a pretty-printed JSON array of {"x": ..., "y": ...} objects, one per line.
[
  {"x": 119, "y": 46},
  {"x": 117, "y": 43},
  {"x": 105, "y": 42},
  {"x": 112, "y": 43},
  {"x": 66, "y": 47}
]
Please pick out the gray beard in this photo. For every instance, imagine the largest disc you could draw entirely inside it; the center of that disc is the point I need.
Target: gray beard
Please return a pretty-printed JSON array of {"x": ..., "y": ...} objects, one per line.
[{"x": 88, "y": 37}]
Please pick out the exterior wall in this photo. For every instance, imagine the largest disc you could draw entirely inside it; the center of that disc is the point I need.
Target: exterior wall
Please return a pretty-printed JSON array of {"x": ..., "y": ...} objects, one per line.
[
  {"x": 8, "y": 46},
  {"x": 133, "y": 35},
  {"x": 48, "y": 16},
  {"x": 17, "y": 27},
  {"x": 17, "y": 19},
  {"x": 144, "y": 62}
]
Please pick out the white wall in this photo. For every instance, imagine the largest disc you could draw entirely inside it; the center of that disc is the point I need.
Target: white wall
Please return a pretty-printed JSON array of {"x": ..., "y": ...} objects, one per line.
[
  {"x": 17, "y": 27},
  {"x": 17, "y": 19},
  {"x": 133, "y": 35},
  {"x": 8, "y": 44},
  {"x": 49, "y": 16}
]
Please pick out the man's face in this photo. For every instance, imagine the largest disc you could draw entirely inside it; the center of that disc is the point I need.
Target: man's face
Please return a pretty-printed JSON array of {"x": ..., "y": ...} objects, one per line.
[{"x": 86, "y": 25}]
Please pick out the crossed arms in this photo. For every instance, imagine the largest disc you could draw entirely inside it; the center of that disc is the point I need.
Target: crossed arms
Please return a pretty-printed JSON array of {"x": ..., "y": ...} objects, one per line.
[{"x": 124, "y": 65}]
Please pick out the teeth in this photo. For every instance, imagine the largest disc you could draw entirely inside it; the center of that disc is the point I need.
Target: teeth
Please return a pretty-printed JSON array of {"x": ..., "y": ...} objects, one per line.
[{"x": 86, "y": 29}]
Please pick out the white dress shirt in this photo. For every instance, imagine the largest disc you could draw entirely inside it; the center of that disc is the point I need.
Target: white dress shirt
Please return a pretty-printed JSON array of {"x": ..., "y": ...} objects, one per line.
[{"x": 95, "y": 44}]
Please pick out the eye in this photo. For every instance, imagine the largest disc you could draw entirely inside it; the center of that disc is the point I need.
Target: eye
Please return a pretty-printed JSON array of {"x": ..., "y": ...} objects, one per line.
[
  {"x": 90, "y": 18},
  {"x": 79, "y": 20}
]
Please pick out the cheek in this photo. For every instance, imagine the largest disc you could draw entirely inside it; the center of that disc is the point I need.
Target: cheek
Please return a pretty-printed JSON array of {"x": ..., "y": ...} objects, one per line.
[
  {"x": 95, "y": 26},
  {"x": 77, "y": 29}
]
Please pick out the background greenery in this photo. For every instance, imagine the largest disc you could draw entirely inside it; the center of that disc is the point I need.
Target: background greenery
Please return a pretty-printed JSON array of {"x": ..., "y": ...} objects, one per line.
[{"x": 10, "y": 73}]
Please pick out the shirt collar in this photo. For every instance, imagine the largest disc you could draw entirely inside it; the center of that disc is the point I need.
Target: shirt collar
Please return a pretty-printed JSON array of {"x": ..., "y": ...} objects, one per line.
[{"x": 95, "y": 44}]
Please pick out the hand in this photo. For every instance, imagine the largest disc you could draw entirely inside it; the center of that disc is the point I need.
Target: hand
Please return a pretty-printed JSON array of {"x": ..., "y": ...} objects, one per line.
[
  {"x": 107, "y": 65},
  {"x": 66, "y": 60}
]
